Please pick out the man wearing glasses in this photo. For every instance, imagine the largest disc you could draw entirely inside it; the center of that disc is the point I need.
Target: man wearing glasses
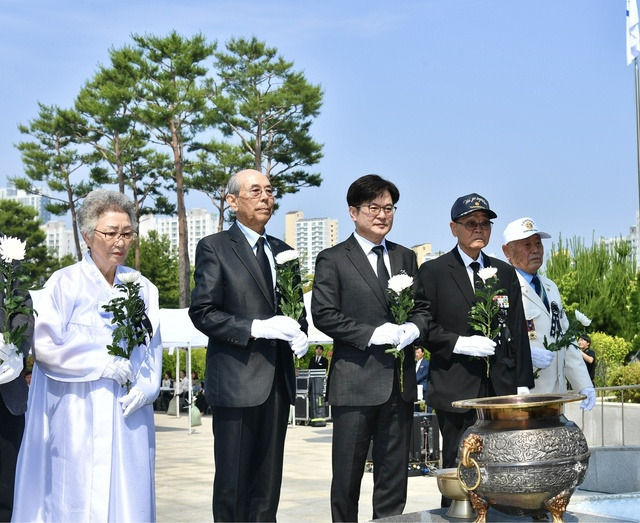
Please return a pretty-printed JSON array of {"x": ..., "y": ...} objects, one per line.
[
  {"x": 460, "y": 358},
  {"x": 349, "y": 304},
  {"x": 250, "y": 376}
]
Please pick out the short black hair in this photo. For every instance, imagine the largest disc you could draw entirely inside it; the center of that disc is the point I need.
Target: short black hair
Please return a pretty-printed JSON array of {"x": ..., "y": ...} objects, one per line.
[
  {"x": 368, "y": 187},
  {"x": 319, "y": 347},
  {"x": 586, "y": 338}
]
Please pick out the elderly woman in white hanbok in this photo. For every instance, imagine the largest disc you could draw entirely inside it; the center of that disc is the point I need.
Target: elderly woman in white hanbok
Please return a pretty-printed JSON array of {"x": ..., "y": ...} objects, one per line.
[{"x": 88, "y": 452}]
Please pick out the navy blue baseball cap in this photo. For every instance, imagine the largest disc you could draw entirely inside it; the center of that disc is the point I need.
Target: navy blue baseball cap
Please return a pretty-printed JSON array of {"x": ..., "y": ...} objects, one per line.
[{"x": 470, "y": 203}]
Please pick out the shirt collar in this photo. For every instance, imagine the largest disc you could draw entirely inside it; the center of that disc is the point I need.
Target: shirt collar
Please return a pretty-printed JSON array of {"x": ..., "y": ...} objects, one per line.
[
  {"x": 527, "y": 277},
  {"x": 251, "y": 235},
  {"x": 368, "y": 245},
  {"x": 466, "y": 259}
]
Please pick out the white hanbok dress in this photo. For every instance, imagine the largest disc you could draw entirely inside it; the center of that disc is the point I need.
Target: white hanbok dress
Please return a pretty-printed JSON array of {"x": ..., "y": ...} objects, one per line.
[{"x": 80, "y": 459}]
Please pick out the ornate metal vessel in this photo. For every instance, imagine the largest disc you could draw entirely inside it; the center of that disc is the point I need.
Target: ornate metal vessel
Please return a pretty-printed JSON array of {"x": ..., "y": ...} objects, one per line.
[{"x": 522, "y": 457}]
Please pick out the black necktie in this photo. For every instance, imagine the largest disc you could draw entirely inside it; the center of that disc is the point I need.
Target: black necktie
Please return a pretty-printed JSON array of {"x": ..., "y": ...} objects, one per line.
[
  {"x": 383, "y": 273},
  {"x": 265, "y": 266},
  {"x": 535, "y": 281},
  {"x": 477, "y": 281}
]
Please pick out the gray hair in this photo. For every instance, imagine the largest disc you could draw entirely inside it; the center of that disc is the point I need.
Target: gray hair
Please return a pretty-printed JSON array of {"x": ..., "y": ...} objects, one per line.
[
  {"x": 234, "y": 185},
  {"x": 97, "y": 202}
]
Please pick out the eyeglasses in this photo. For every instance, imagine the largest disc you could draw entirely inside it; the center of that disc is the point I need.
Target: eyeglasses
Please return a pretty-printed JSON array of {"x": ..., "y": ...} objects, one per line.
[
  {"x": 374, "y": 209},
  {"x": 256, "y": 192},
  {"x": 472, "y": 225},
  {"x": 112, "y": 236}
]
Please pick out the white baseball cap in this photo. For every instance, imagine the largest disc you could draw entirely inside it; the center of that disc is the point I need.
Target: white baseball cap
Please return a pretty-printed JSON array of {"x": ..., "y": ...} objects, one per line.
[{"x": 522, "y": 228}]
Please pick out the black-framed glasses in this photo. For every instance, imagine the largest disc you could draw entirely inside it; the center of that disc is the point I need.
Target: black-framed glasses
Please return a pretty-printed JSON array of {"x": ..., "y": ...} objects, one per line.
[
  {"x": 374, "y": 209},
  {"x": 112, "y": 236},
  {"x": 472, "y": 225},
  {"x": 256, "y": 192}
]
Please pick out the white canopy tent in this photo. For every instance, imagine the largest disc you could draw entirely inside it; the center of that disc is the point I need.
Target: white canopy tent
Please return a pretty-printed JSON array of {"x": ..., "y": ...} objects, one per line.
[{"x": 178, "y": 332}]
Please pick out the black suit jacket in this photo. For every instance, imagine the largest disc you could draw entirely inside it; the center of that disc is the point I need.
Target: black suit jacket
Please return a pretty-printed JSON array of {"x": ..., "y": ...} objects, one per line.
[
  {"x": 230, "y": 292},
  {"x": 454, "y": 377},
  {"x": 348, "y": 304},
  {"x": 324, "y": 363}
]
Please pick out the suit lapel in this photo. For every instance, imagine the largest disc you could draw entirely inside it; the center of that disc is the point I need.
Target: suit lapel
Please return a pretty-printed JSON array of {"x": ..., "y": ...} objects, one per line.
[
  {"x": 245, "y": 253},
  {"x": 529, "y": 294},
  {"x": 460, "y": 276},
  {"x": 356, "y": 255}
]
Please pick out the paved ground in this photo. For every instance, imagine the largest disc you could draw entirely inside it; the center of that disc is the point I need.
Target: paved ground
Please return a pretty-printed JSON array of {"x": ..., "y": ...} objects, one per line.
[
  {"x": 184, "y": 475},
  {"x": 184, "y": 479}
]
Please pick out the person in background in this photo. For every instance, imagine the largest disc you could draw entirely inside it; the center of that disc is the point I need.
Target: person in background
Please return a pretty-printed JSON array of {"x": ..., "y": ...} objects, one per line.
[
  {"x": 319, "y": 361},
  {"x": 422, "y": 370},
  {"x": 250, "y": 379},
  {"x": 349, "y": 304},
  {"x": 88, "y": 452},
  {"x": 463, "y": 364},
  {"x": 544, "y": 314},
  {"x": 588, "y": 355}
]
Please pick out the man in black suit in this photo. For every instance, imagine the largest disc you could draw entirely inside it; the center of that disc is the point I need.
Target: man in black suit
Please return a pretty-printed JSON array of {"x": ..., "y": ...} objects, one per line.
[
  {"x": 250, "y": 373},
  {"x": 349, "y": 304},
  {"x": 458, "y": 369},
  {"x": 319, "y": 361},
  {"x": 13, "y": 404}
]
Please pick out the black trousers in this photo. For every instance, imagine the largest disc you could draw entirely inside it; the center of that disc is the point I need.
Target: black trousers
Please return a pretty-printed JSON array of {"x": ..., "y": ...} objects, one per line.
[
  {"x": 11, "y": 430},
  {"x": 248, "y": 445},
  {"x": 389, "y": 426}
]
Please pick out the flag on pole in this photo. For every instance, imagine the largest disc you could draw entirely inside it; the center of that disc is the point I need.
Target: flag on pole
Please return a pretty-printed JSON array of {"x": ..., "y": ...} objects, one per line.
[{"x": 633, "y": 32}]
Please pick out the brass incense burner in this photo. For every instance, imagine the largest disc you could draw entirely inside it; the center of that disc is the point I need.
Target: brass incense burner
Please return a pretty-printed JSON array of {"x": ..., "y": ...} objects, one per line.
[{"x": 522, "y": 456}]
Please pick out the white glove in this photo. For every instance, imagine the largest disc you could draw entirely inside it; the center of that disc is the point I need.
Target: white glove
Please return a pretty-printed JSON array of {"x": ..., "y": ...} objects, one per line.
[
  {"x": 588, "y": 403},
  {"x": 523, "y": 391},
  {"x": 541, "y": 358},
  {"x": 276, "y": 328},
  {"x": 386, "y": 334},
  {"x": 118, "y": 369},
  {"x": 410, "y": 333},
  {"x": 132, "y": 401},
  {"x": 300, "y": 345},
  {"x": 12, "y": 363},
  {"x": 480, "y": 346}
]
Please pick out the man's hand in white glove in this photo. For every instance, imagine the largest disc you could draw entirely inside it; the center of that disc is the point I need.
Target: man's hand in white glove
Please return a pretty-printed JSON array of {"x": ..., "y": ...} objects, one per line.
[
  {"x": 480, "y": 346},
  {"x": 541, "y": 358},
  {"x": 118, "y": 369},
  {"x": 386, "y": 334},
  {"x": 300, "y": 345},
  {"x": 12, "y": 363},
  {"x": 590, "y": 401},
  {"x": 522, "y": 391},
  {"x": 132, "y": 401},
  {"x": 410, "y": 333},
  {"x": 276, "y": 328}
]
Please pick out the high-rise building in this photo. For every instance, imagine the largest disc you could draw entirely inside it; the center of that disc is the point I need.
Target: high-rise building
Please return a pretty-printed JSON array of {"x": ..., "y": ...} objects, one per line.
[
  {"x": 37, "y": 201},
  {"x": 200, "y": 223},
  {"x": 423, "y": 253},
  {"x": 60, "y": 240},
  {"x": 309, "y": 236}
]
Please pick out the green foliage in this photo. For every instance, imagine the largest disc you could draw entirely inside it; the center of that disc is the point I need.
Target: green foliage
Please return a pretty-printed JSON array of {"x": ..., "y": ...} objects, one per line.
[
  {"x": 198, "y": 362},
  {"x": 159, "y": 264},
  {"x": 599, "y": 281},
  {"x": 626, "y": 375},
  {"x": 611, "y": 352},
  {"x": 20, "y": 221}
]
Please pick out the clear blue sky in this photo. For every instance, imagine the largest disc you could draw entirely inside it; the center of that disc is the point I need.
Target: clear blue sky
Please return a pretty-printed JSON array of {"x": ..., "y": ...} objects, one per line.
[{"x": 530, "y": 104}]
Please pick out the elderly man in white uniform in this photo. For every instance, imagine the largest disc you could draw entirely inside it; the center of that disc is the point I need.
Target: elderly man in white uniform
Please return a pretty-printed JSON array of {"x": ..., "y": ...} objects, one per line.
[{"x": 524, "y": 250}]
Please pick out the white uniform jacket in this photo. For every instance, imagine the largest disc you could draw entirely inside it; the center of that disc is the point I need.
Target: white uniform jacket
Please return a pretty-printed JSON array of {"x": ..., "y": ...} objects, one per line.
[{"x": 568, "y": 363}]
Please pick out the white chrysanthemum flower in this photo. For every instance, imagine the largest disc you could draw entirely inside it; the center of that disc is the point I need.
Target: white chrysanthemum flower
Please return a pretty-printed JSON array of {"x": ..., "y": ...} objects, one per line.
[
  {"x": 487, "y": 272},
  {"x": 287, "y": 256},
  {"x": 129, "y": 277},
  {"x": 400, "y": 282},
  {"x": 582, "y": 319},
  {"x": 12, "y": 249}
]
